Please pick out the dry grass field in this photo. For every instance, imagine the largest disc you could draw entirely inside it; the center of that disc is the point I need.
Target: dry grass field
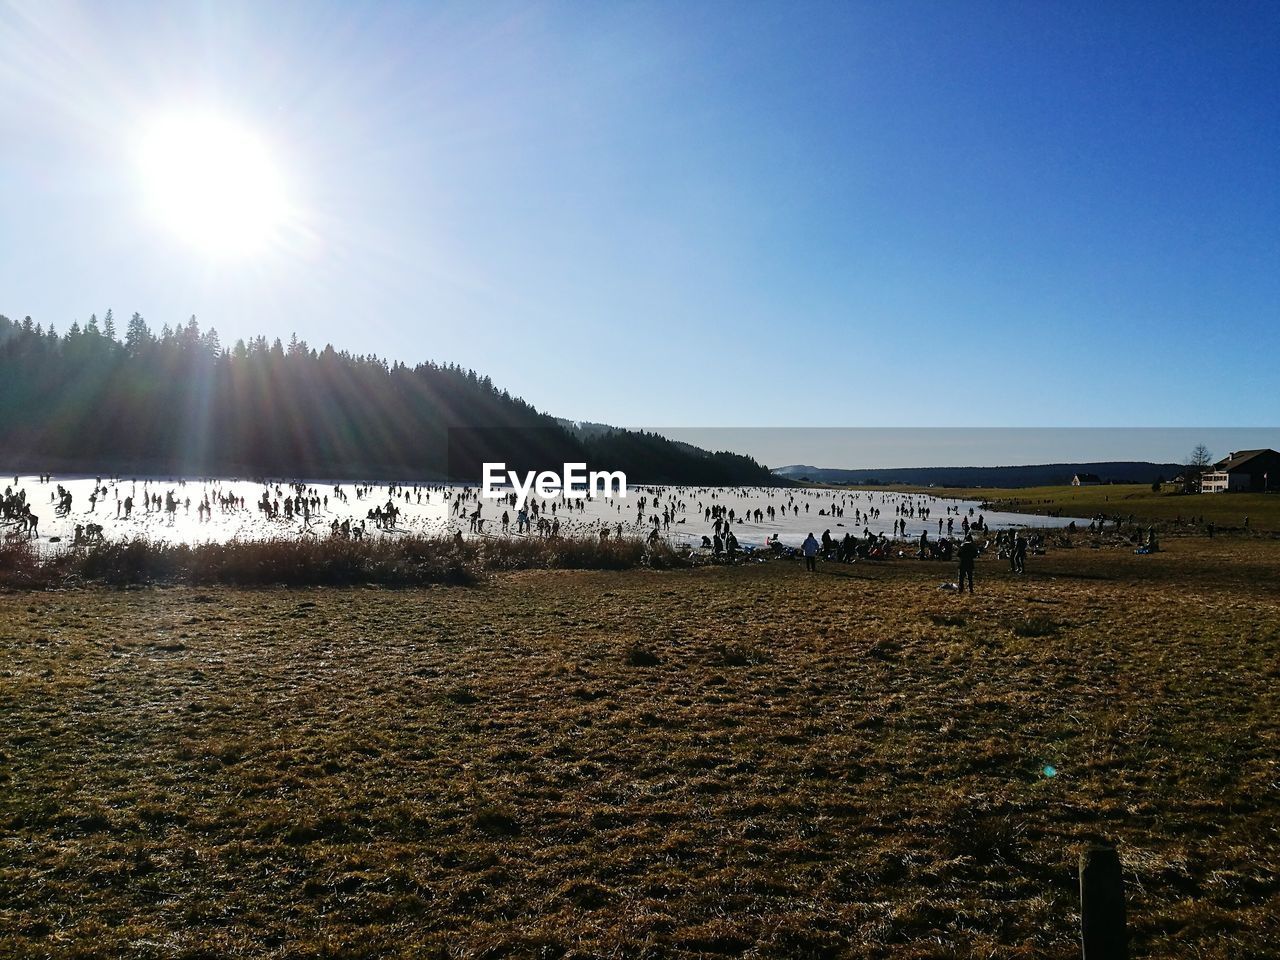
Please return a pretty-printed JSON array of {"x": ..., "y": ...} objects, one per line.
[
  {"x": 712, "y": 762},
  {"x": 1226, "y": 510}
]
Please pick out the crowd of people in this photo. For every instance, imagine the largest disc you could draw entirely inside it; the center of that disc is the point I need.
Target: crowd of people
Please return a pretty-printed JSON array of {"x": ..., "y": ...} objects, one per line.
[
  {"x": 721, "y": 524},
  {"x": 17, "y": 512}
]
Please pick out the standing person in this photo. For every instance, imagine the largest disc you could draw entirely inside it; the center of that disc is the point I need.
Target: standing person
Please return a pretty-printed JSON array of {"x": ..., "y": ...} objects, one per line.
[
  {"x": 1020, "y": 554},
  {"x": 810, "y": 550},
  {"x": 968, "y": 553}
]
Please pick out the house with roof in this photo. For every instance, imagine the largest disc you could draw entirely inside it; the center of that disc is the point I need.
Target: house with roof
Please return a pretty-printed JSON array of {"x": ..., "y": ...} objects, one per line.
[
  {"x": 1086, "y": 480},
  {"x": 1243, "y": 470}
]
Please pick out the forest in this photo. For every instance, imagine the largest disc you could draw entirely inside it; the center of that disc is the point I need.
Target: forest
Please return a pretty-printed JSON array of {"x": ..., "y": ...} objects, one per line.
[{"x": 179, "y": 402}]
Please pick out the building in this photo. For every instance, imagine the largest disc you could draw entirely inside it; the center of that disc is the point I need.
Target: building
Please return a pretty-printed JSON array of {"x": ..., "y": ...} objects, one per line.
[
  {"x": 1086, "y": 480},
  {"x": 1243, "y": 470}
]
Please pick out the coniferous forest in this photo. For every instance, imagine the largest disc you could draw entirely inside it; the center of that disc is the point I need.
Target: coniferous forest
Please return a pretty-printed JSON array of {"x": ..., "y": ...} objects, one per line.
[{"x": 98, "y": 400}]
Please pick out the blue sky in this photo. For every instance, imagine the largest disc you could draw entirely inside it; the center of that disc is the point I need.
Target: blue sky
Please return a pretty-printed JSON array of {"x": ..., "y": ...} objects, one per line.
[{"x": 695, "y": 214}]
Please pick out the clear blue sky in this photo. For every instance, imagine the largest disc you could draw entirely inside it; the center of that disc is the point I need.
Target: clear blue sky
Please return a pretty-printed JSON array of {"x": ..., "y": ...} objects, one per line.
[{"x": 694, "y": 214}]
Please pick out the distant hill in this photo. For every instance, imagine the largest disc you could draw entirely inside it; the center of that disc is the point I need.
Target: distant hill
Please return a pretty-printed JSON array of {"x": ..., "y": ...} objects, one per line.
[
  {"x": 180, "y": 403},
  {"x": 1037, "y": 475}
]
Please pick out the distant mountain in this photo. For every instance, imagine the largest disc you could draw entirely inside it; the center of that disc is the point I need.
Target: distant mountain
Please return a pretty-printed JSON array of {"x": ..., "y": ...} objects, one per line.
[{"x": 1037, "y": 475}]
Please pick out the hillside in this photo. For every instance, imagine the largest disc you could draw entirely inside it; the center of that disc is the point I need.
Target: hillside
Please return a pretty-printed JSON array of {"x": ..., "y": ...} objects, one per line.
[{"x": 179, "y": 402}]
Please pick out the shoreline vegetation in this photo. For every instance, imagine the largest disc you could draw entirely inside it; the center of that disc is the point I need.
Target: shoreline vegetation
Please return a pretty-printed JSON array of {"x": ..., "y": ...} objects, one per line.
[
  {"x": 406, "y": 561},
  {"x": 411, "y": 561}
]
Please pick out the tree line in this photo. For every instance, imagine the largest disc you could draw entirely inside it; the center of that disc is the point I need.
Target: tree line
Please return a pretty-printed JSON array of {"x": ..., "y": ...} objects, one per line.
[{"x": 179, "y": 402}]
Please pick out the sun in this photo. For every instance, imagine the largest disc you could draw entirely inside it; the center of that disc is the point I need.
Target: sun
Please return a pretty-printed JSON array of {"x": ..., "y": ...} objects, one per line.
[{"x": 213, "y": 183}]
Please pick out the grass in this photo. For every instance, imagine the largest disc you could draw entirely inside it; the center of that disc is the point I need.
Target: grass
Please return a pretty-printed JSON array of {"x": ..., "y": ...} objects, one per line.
[
  {"x": 301, "y": 561},
  {"x": 1036, "y": 626},
  {"x": 1227, "y": 510},
  {"x": 708, "y": 762}
]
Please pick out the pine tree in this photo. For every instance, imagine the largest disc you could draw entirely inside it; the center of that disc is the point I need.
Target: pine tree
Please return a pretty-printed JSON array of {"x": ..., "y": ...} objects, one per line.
[
  {"x": 211, "y": 343},
  {"x": 137, "y": 337}
]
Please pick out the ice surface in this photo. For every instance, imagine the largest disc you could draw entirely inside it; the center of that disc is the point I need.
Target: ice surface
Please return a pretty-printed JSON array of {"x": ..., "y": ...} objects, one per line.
[{"x": 431, "y": 510}]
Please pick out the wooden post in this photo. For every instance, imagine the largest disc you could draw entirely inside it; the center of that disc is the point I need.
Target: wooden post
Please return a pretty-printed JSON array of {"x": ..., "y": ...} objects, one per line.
[{"x": 1103, "y": 935}]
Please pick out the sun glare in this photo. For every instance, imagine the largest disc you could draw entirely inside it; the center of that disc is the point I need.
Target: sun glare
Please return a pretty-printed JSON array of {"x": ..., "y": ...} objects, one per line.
[{"x": 213, "y": 183}]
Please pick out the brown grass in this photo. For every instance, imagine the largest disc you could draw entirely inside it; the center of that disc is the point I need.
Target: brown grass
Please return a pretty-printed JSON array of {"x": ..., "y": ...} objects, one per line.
[
  {"x": 310, "y": 561},
  {"x": 714, "y": 762},
  {"x": 1166, "y": 508}
]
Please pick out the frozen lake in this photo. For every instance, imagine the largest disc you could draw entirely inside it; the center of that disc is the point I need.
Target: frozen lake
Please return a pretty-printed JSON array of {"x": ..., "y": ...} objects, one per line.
[{"x": 442, "y": 510}]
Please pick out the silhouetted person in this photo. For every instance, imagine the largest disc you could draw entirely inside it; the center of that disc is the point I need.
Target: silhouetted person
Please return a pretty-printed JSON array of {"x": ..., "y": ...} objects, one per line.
[
  {"x": 1020, "y": 554},
  {"x": 810, "y": 550},
  {"x": 968, "y": 553}
]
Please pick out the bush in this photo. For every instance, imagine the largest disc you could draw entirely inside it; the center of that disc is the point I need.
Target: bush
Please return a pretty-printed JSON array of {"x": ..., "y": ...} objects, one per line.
[
  {"x": 21, "y": 565},
  {"x": 401, "y": 561}
]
